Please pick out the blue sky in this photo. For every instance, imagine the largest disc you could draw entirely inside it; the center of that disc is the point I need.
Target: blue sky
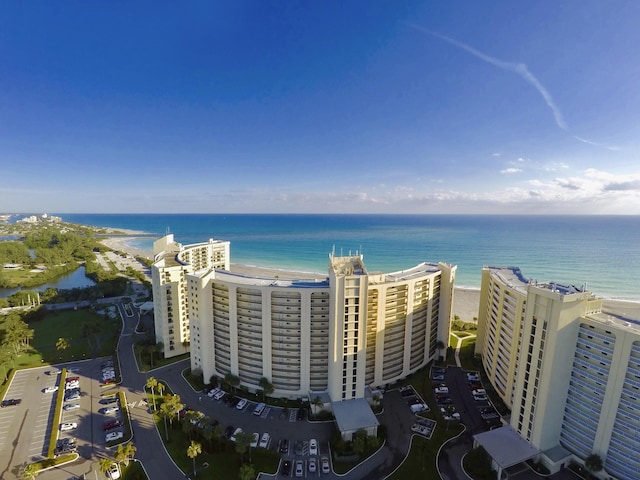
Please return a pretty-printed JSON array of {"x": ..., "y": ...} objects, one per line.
[{"x": 334, "y": 107}]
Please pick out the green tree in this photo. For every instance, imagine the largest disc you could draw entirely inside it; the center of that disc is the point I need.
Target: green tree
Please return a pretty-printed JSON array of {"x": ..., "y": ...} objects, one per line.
[
  {"x": 161, "y": 388},
  {"x": 359, "y": 442},
  {"x": 193, "y": 451},
  {"x": 247, "y": 472},
  {"x": 218, "y": 431},
  {"x": 152, "y": 383},
  {"x": 30, "y": 471},
  {"x": 232, "y": 380},
  {"x": 125, "y": 453},
  {"x": 188, "y": 424},
  {"x": 243, "y": 441},
  {"x": 169, "y": 409},
  {"x": 267, "y": 387},
  {"x": 104, "y": 464},
  {"x": 62, "y": 344},
  {"x": 593, "y": 463},
  {"x": 439, "y": 347}
]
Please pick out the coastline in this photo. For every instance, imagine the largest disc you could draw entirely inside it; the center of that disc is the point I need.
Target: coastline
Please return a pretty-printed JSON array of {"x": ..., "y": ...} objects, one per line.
[{"x": 466, "y": 300}]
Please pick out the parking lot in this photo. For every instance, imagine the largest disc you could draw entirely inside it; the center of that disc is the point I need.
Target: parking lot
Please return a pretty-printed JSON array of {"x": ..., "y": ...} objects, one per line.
[
  {"x": 305, "y": 449},
  {"x": 27, "y": 427}
]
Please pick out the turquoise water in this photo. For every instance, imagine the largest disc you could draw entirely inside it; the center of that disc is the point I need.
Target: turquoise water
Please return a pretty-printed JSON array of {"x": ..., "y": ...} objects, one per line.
[{"x": 601, "y": 251}]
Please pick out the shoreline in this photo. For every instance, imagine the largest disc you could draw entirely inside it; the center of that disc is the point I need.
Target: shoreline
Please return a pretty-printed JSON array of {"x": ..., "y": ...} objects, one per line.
[{"x": 466, "y": 299}]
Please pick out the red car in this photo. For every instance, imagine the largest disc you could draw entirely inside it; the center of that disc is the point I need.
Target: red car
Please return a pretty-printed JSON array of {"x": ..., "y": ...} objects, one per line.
[
  {"x": 72, "y": 379},
  {"x": 110, "y": 425}
]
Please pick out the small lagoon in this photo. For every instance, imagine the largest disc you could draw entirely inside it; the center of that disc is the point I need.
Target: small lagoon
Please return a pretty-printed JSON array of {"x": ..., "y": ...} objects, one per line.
[{"x": 75, "y": 279}]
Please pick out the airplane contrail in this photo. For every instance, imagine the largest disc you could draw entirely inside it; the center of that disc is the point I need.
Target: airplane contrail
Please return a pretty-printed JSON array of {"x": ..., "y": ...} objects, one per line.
[{"x": 520, "y": 69}]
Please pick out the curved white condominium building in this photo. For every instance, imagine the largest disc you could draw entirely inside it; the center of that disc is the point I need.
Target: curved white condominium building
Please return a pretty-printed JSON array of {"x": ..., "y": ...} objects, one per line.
[
  {"x": 569, "y": 372},
  {"x": 303, "y": 333}
]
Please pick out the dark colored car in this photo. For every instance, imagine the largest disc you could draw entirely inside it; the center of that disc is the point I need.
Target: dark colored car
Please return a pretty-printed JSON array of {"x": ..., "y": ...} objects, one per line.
[
  {"x": 284, "y": 447},
  {"x": 300, "y": 414},
  {"x": 286, "y": 468},
  {"x": 11, "y": 402},
  {"x": 229, "y": 431},
  {"x": 108, "y": 400},
  {"x": 110, "y": 425}
]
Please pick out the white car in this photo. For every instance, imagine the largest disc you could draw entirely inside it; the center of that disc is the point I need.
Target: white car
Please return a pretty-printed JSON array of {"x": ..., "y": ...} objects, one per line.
[
  {"x": 113, "y": 472},
  {"x": 241, "y": 404},
  {"x": 299, "y": 469},
  {"x": 254, "y": 442},
  {"x": 68, "y": 426},
  {"x": 71, "y": 406},
  {"x": 71, "y": 385},
  {"x": 326, "y": 468},
  {"x": 213, "y": 392},
  {"x": 50, "y": 389},
  {"x": 264, "y": 440},
  {"x": 441, "y": 390},
  {"x": 313, "y": 466},
  {"x": 113, "y": 409},
  {"x": 313, "y": 447},
  {"x": 112, "y": 436},
  {"x": 219, "y": 395}
]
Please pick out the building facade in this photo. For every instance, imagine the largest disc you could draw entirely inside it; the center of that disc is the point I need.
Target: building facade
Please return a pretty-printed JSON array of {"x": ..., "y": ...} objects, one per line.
[
  {"x": 337, "y": 333},
  {"x": 569, "y": 372},
  {"x": 172, "y": 262}
]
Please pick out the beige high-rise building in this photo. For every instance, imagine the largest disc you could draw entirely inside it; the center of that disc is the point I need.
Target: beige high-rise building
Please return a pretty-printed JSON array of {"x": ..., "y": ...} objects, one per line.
[
  {"x": 569, "y": 372},
  {"x": 172, "y": 262},
  {"x": 335, "y": 334}
]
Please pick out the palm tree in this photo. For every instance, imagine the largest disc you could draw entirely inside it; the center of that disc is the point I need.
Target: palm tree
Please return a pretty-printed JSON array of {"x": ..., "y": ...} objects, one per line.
[
  {"x": 232, "y": 380},
  {"x": 243, "y": 441},
  {"x": 104, "y": 464},
  {"x": 193, "y": 451},
  {"x": 152, "y": 383},
  {"x": 62, "y": 344},
  {"x": 318, "y": 403},
  {"x": 125, "y": 453},
  {"x": 247, "y": 472},
  {"x": 593, "y": 463},
  {"x": 161, "y": 388},
  {"x": 218, "y": 431},
  {"x": 267, "y": 387},
  {"x": 439, "y": 346},
  {"x": 30, "y": 471}
]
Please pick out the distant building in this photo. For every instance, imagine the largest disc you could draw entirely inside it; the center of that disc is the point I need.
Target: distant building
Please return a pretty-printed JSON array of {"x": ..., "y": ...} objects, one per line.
[
  {"x": 335, "y": 334},
  {"x": 569, "y": 373}
]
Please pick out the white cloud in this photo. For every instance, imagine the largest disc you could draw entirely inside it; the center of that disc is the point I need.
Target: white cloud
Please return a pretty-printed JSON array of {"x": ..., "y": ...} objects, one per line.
[{"x": 510, "y": 170}]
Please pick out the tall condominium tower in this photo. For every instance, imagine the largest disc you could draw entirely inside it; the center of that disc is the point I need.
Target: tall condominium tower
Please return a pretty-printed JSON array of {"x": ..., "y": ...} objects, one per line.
[
  {"x": 569, "y": 372},
  {"x": 334, "y": 334}
]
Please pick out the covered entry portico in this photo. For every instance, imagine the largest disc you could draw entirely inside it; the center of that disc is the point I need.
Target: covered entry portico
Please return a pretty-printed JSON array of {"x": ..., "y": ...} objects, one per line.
[{"x": 505, "y": 446}]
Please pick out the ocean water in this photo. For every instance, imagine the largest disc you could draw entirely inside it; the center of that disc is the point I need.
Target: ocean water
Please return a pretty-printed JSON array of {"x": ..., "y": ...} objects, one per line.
[{"x": 602, "y": 252}]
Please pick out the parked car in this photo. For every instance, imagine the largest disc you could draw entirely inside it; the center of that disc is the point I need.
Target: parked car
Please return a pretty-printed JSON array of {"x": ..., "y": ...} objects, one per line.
[
  {"x": 113, "y": 436},
  {"x": 313, "y": 447},
  {"x": 110, "y": 410},
  {"x": 111, "y": 424},
  {"x": 299, "y": 468},
  {"x": 212, "y": 392},
  {"x": 71, "y": 385},
  {"x": 284, "y": 446},
  {"x": 326, "y": 468},
  {"x": 286, "y": 468},
  {"x": 313, "y": 466},
  {"x": 219, "y": 395},
  {"x": 113, "y": 472},
  {"x": 68, "y": 426},
  {"x": 50, "y": 389},
  {"x": 256, "y": 439},
  {"x": 71, "y": 406},
  {"x": 441, "y": 389},
  {"x": 259, "y": 409},
  {"x": 108, "y": 400},
  {"x": 264, "y": 440},
  {"x": 241, "y": 404}
]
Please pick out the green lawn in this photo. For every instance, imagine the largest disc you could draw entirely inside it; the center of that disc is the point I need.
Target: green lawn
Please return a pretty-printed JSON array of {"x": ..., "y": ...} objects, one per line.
[{"x": 69, "y": 324}]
